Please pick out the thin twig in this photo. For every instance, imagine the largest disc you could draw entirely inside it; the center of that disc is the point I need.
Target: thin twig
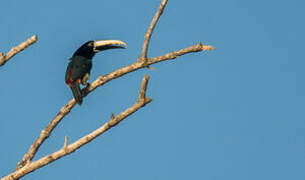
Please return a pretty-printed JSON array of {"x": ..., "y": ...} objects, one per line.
[
  {"x": 150, "y": 30},
  {"x": 143, "y": 87},
  {"x": 68, "y": 149},
  {"x": 65, "y": 143},
  {"x": 17, "y": 49}
]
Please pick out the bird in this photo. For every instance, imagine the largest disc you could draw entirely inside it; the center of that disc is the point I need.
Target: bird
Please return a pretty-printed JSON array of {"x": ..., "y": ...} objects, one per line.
[{"x": 80, "y": 64}]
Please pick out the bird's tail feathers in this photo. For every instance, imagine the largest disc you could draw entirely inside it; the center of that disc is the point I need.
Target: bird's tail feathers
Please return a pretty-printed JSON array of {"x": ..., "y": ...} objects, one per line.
[{"x": 77, "y": 93}]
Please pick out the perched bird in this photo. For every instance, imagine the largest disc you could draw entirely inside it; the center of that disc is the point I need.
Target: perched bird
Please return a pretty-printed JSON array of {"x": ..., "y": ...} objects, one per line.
[{"x": 80, "y": 64}]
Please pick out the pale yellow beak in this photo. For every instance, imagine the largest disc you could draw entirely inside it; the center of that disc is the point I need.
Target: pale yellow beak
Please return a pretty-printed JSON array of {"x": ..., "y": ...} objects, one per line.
[{"x": 110, "y": 43}]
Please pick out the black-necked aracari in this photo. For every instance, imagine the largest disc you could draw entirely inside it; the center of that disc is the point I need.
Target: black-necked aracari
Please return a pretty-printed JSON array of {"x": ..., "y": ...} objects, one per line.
[{"x": 79, "y": 67}]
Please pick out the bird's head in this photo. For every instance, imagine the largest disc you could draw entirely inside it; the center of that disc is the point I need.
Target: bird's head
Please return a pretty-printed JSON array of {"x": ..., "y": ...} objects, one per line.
[{"x": 89, "y": 49}]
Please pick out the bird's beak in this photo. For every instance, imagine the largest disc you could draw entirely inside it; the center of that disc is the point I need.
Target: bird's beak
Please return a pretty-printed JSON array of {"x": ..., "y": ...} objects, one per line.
[{"x": 108, "y": 44}]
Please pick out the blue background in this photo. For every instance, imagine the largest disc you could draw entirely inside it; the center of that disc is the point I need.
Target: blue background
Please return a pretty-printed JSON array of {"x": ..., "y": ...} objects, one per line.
[{"x": 234, "y": 113}]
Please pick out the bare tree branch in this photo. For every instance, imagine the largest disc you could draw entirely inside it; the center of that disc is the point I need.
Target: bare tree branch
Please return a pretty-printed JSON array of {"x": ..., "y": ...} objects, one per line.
[
  {"x": 150, "y": 30},
  {"x": 138, "y": 65},
  {"x": 68, "y": 149},
  {"x": 104, "y": 79},
  {"x": 17, "y": 49},
  {"x": 99, "y": 82},
  {"x": 45, "y": 134}
]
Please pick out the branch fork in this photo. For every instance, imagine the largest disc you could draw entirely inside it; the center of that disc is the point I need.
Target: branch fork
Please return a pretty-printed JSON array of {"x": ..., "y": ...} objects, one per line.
[{"x": 69, "y": 148}]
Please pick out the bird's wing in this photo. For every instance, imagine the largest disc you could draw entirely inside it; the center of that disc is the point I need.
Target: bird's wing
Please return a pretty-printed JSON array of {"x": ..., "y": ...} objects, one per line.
[
  {"x": 78, "y": 67},
  {"x": 68, "y": 72}
]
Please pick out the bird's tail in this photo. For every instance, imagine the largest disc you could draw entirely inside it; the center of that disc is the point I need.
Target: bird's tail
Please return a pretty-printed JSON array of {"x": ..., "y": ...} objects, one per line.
[{"x": 77, "y": 93}]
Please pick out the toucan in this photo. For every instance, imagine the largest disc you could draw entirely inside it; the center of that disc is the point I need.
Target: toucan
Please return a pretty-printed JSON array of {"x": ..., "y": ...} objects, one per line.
[{"x": 80, "y": 64}]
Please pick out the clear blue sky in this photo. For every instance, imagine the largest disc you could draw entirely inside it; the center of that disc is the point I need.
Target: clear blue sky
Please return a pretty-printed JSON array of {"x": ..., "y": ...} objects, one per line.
[{"x": 236, "y": 113}]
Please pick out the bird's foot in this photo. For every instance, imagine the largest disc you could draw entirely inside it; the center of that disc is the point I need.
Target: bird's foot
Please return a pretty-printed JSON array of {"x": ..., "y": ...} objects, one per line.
[{"x": 85, "y": 91}]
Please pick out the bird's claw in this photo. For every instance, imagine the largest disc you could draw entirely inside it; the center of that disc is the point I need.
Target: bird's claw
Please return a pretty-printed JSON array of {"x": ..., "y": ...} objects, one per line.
[{"x": 85, "y": 90}]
